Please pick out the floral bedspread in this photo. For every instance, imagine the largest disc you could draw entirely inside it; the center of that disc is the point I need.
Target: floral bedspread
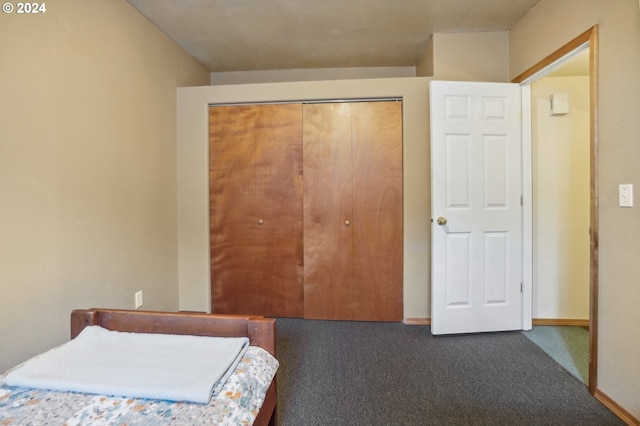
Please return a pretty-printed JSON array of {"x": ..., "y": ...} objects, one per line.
[{"x": 237, "y": 403}]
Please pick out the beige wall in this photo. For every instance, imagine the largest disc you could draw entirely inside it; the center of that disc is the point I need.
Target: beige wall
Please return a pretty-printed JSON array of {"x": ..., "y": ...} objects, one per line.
[
  {"x": 193, "y": 203},
  {"x": 485, "y": 57},
  {"x": 87, "y": 167},
  {"x": 560, "y": 169},
  {"x": 280, "y": 76},
  {"x": 424, "y": 67},
  {"x": 548, "y": 26},
  {"x": 488, "y": 62},
  {"x": 479, "y": 56}
]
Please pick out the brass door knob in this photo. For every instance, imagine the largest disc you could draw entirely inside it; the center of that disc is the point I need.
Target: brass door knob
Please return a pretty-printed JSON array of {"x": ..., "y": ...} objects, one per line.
[
  {"x": 347, "y": 223},
  {"x": 441, "y": 221},
  {"x": 260, "y": 221}
]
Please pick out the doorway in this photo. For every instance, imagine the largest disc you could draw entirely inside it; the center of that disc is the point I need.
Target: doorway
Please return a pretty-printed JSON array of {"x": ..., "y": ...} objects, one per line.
[{"x": 588, "y": 40}]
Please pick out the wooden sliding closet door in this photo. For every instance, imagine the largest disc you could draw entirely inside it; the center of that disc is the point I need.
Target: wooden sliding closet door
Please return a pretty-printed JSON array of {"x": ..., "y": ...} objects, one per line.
[
  {"x": 353, "y": 211},
  {"x": 377, "y": 208},
  {"x": 328, "y": 207},
  {"x": 255, "y": 176}
]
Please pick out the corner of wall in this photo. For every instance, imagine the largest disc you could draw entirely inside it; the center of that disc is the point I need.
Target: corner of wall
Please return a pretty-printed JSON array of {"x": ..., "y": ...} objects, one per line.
[{"x": 424, "y": 67}]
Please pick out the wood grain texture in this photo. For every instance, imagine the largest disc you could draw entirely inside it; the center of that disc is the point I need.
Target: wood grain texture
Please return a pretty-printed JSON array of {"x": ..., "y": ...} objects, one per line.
[
  {"x": 256, "y": 209},
  {"x": 616, "y": 408},
  {"x": 328, "y": 198},
  {"x": 353, "y": 172},
  {"x": 260, "y": 331},
  {"x": 377, "y": 209},
  {"x": 279, "y": 189},
  {"x": 562, "y": 321},
  {"x": 330, "y": 248},
  {"x": 232, "y": 205}
]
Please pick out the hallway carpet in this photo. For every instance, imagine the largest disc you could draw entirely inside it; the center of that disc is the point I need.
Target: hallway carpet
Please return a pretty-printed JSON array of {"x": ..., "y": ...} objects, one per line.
[{"x": 567, "y": 345}]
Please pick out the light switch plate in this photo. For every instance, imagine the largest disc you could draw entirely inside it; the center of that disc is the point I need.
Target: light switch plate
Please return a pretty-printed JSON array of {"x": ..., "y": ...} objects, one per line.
[
  {"x": 139, "y": 301},
  {"x": 625, "y": 195}
]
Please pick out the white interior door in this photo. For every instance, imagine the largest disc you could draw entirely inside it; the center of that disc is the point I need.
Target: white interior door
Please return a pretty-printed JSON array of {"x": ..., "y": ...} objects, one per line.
[{"x": 476, "y": 190}]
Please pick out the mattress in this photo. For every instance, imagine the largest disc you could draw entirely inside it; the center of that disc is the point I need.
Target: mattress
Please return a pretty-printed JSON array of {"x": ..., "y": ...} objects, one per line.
[{"x": 237, "y": 403}]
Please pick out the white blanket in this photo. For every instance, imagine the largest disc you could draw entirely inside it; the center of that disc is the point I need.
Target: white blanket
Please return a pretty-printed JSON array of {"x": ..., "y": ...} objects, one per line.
[{"x": 155, "y": 366}]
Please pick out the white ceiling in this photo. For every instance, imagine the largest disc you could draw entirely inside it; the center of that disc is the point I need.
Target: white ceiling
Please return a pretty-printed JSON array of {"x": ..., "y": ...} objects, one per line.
[{"x": 250, "y": 35}]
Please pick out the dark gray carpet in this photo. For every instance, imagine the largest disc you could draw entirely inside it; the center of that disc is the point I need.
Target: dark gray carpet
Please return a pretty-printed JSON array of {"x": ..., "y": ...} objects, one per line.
[{"x": 360, "y": 373}]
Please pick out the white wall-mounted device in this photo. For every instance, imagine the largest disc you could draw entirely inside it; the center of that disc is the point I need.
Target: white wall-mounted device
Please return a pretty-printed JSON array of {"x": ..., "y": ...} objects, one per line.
[
  {"x": 625, "y": 195},
  {"x": 558, "y": 104}
]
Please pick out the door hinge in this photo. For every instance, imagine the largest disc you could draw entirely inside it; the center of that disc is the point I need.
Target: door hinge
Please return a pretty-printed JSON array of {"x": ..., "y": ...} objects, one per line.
[
  {"x": 521, "y": 288},
  {"x": 521, "y": 201}
]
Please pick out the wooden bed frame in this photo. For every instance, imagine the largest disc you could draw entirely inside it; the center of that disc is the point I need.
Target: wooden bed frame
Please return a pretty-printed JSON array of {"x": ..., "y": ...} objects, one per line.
[{"x": 260, "y": 331}]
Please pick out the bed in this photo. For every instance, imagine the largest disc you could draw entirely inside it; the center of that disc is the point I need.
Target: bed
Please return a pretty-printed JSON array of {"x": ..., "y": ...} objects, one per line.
[{"x": 22, "y": 405}]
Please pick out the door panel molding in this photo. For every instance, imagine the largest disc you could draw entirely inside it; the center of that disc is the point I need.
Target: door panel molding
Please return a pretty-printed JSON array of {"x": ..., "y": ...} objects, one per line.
[{"x": 476, "y": 188}]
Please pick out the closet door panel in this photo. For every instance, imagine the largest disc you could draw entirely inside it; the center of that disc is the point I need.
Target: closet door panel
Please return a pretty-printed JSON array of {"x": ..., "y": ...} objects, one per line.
[
  {"x": 255, "y": 198},
  {"x": 279, "y": 213},
  {"x": 377, "y": 209},
  {"x": 232, "y": 204},
  {"x": 328, "y": 289}
]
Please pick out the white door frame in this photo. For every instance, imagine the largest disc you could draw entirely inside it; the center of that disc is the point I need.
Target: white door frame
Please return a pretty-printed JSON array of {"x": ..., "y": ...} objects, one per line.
[{"x": 527, "y": 210}]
